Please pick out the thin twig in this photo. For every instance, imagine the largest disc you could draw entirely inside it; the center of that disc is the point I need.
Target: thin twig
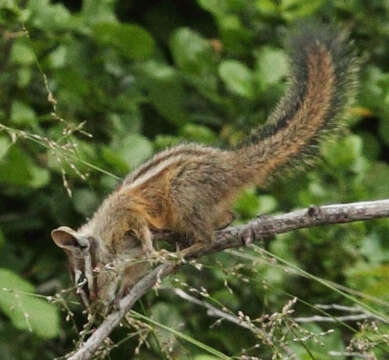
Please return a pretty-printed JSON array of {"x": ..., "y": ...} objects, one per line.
[
  {"x": 215, "y": 312},
  {"x": 349, "y": 354},
  {"x": 338, "y": 307},
  {"x": 318, "y": 318},
  {"x": 237, "y": 320},
  {"x": 263, "y": 227},
  {"x": 363, "y": 314}
]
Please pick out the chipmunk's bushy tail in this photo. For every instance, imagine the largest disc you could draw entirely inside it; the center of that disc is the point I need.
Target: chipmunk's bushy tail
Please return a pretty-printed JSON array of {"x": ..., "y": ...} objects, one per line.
[{"x": 322, "y": 86}]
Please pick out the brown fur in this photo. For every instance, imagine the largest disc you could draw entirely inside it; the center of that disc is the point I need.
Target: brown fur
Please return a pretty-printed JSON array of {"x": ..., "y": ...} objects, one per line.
[{"x": 189, "y": 189}]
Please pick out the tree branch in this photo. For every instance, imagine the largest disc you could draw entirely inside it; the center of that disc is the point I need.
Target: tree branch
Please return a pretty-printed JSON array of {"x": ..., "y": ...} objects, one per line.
[{"x": 263, "y": 227}]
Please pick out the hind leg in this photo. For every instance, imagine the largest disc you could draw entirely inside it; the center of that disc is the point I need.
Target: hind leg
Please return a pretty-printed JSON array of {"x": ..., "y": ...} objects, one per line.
[{"x": 199, "y": 231}]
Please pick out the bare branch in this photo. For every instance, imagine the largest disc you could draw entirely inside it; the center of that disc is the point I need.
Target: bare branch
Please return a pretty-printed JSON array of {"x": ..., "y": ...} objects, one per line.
[
  {"x": 263, "y": 227},
  {"x": 335, "y": 319}
]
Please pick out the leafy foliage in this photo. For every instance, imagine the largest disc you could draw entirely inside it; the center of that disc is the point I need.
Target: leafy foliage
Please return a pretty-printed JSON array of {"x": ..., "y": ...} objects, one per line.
[{"x": 90, "y": 89}]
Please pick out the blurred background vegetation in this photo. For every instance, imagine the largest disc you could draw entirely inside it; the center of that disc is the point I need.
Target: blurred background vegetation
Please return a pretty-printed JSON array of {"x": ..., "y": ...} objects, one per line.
[{"x": 90, "y": 89}]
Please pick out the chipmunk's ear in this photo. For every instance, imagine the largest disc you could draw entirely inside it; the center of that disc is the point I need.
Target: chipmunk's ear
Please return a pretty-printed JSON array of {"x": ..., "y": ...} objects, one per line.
[{"x": 67, "y": 238}]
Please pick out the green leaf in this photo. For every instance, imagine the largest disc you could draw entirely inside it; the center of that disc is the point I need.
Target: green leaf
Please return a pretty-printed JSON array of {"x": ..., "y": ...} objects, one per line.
[
  {"x": 9, "y": 4},
  {"x": 22, "y": 53},
  {"x": 57, "y": 57},
  {"x": 237, "y": 77},
  {"x": 22, "y": 114},
  {"x": 128, "y": 122},
  {"x": 373, "y": 92},
  {"x": 85, "y": 201},
  {"x": 272, "y": 65},
  {"x": 25, "y": 311},
  {"x": 216, "y": 7},
  {"x": 14, "y": 170},
  {"x": 190, "y": 51},
  {"x": 95, "y": 11},
  {"x": 73, "y": 84},
  {"x": 295, "y": 9},
  {"x": 24, "y": 76},
  {"x": 47, "y": 16},
  {"x": 267, "y": 204},
  {"x": 248, "y": 203},
  {"x": 165, "y": 91},
  {"x": 135, "y": 149},
  {"x": 5, "y": 144},
  {"x": 133, "y": 41},
  {"x": 373, "y": 250},
  {"x": 235, "y": 36},
  {"x": 113, "y": 159},
  {"x": 267, "y": 7},
  {"x": 18, "y": 169},
  {"x": 195, "y": 56},
  {"x": 163, "y": 141},
  {"x": 39, "y": 177},
  {"x": 198, "y": 133},
  {"x": 344, "y": 152}
]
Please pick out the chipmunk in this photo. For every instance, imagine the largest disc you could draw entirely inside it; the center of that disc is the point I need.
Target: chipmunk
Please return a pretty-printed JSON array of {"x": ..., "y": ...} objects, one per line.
[{"x": 189, "y": 189}]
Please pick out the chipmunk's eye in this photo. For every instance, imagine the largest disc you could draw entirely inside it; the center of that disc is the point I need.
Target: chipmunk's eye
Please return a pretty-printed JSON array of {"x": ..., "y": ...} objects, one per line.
[
  {"x": 131, "y": 233},
  {"x": 83, "y": 246}
]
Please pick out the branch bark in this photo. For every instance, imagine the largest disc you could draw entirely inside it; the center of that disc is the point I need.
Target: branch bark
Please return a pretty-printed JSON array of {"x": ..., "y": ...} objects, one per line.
[{"x": 263, "y": 227}]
